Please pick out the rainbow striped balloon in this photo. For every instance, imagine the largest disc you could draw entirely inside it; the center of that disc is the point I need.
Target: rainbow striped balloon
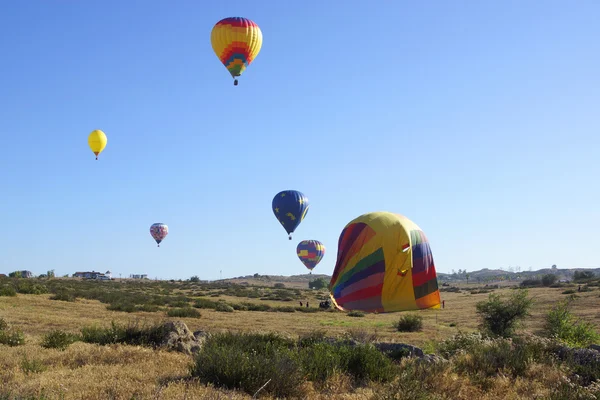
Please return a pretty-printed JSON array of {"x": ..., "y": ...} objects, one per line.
[
  {"x": 384, "y": 264},
  {"x": 237, "y": 42}
]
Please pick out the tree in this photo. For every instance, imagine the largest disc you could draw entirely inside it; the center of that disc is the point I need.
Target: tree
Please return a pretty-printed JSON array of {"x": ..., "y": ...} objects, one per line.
[
  {"x": 554, "y": 267},
  {"x": 583, "y": 275},
  {"x": 50, "y": 274},
  {"x": 549, "y": 279},
  {"x": 16, "y": 274},
  {"x": 501, "y": 317},
  {"x": 467, "y": 276},
  {"x": 195, "y": 279},
  {"x": 319, "y": 283}
]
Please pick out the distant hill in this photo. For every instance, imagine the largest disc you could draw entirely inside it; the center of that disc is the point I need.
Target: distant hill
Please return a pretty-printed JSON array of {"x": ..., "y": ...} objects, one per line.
[{"x": 482, "y": 275}]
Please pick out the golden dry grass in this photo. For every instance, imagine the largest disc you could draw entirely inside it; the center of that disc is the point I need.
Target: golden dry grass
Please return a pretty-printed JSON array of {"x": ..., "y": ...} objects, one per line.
[{"x": 87, "y": 371}]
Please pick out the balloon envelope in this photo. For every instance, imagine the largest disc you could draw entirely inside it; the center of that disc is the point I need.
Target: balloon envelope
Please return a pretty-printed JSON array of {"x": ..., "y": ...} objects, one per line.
[
  {"x": 310, "y": 252},
  {"x": 97, "y": 141},
  {"x": 290, "y": 208},
  {"x": 236, "y": 41},
  {"x": 159, "y": 231},
  {"x": 384, "y": 264}
]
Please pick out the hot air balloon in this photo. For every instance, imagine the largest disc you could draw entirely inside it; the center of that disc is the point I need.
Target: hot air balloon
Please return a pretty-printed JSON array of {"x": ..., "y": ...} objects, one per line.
[
  {"x": 384, "y": 264},
  {"x": 310, "y": 252},
  {"x": 237, "y": 42},
  {"x": 97, "y": 141},
  {"x": 159, "y": 232},
  {"x": 290, "y": 208}
]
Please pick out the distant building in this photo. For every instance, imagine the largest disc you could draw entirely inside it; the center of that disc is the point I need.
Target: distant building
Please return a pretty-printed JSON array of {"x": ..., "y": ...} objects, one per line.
[
  {"x": 93, "y": 275},
  {"x": 138, "y": 276},
  {"x": 108, "y": 274},
  {"x": 24, "y": 274},
  {"x": 2, "y": 276}
]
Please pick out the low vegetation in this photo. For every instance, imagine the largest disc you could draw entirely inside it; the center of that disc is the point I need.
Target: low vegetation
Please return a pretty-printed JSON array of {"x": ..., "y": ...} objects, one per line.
[
  {"x": 496, "y": 359},
  {"x": 409, "y": 323}
]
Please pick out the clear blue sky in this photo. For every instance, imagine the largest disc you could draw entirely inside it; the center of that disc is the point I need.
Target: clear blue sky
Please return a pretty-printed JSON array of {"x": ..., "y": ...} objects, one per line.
[{"x": 477, "y": 120}]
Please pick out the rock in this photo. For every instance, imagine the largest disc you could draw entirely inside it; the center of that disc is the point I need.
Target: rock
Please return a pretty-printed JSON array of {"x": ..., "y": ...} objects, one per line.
[
  {"x": 178, "y": 337},
  {"x": 594, "y": 347},
  {"x": 433, "y": 359},
  {"x": 398, "y": 348},
  {"x": 587, "y": 357}
]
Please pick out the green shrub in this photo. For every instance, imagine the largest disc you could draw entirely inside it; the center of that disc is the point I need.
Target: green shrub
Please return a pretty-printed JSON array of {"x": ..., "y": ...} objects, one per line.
[
  {"x": 120, "y": 306},
  {"x": 549, "y": 279},
  {"x": 486, "y": 359},
  {"x": 568, "y": 291},
  {"x": 33, "y": 366},
  {"x": 179, "y": 304},
  {"x": 279, "y": 286},
  {"x": 223, "y": 307},
  {"x": 562, "y": 325},
  {"x": 132, "y": 334},
  {"x": 186, "y": 312},
  {"x": 8, "y": 291},
  {"x": 409, "y": 323},
  {"x": 64, "y": 295},
  {"x": 12, "y": 337},
  {"x": 58, "y": 339},
  {"x": 27, "y": 287},
  {"x": 205, "y": 303},
  {"x": 256, "y": 307},
  {"x": 356, "y": 313},
  {"x": 247, "y": 362},
  {"x": 287, "y": 309},
  {"x": 501, "y": 318},
  {"x": 3, "y": 324},
  {"x": 306, "y": 309}
]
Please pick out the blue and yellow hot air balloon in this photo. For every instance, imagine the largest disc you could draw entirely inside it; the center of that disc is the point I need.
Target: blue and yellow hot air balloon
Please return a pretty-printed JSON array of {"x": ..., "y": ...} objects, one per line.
[
  {"x": 310, "y": 252},
  {"x": 290, "y": 208},
  {"x": 384, "y": 264},
  {"x": 236, "y": 41}
]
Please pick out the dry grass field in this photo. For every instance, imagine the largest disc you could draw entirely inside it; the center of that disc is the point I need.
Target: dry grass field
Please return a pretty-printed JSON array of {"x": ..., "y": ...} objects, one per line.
[{"x": 116, "y": 371}]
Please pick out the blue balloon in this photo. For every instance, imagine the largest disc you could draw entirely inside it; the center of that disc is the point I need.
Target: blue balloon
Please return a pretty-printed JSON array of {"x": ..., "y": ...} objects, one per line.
[{"x": 290, "y": 208}]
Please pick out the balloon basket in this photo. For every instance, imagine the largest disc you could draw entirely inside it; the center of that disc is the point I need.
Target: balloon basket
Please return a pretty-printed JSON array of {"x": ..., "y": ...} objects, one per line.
[{"x": 235, "y": 82}]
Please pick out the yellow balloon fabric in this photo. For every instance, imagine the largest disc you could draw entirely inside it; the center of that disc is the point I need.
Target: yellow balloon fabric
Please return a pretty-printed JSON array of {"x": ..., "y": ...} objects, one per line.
[
  {"x": 97, "y": 141},
  {"x": 236, "y": 41},
  {"x": 384, "y": 264}
]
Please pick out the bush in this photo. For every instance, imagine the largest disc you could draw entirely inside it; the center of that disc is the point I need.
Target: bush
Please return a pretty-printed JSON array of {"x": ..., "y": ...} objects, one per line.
[
  {"x": 486, "y": 359},
  {"x": 356, "y": 313},
  {"x": 223, "y": 307},
  {"x": 131, "y": 334},
  {"x": 186, "y": 312},
  {"x": 206, "y": 303},
  {"x": 12, "y": 337},
  {"x": 561, "y": 324},
  {"x": 409, "y": 323},
  {"x": 247, "y": 361},
  {"x": 8, "y": 291},
  {"x": 58, "y": 339},
  {"x": 288, "y": 309},
  {"x": 64, "y": 295},
  {"x": 568, "y": 291},
  {"x": 279, "y": 286},
  {"x": 531, "y": 283},
  {"x": 549, "y": 279},
  {"x": 501, "y": 318}
]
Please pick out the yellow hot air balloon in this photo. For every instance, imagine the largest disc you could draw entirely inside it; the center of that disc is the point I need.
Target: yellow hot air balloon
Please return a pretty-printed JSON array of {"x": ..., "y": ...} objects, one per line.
[
  {"x": 236, "y": 41},
  {"x": 97, "y": 141}
]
